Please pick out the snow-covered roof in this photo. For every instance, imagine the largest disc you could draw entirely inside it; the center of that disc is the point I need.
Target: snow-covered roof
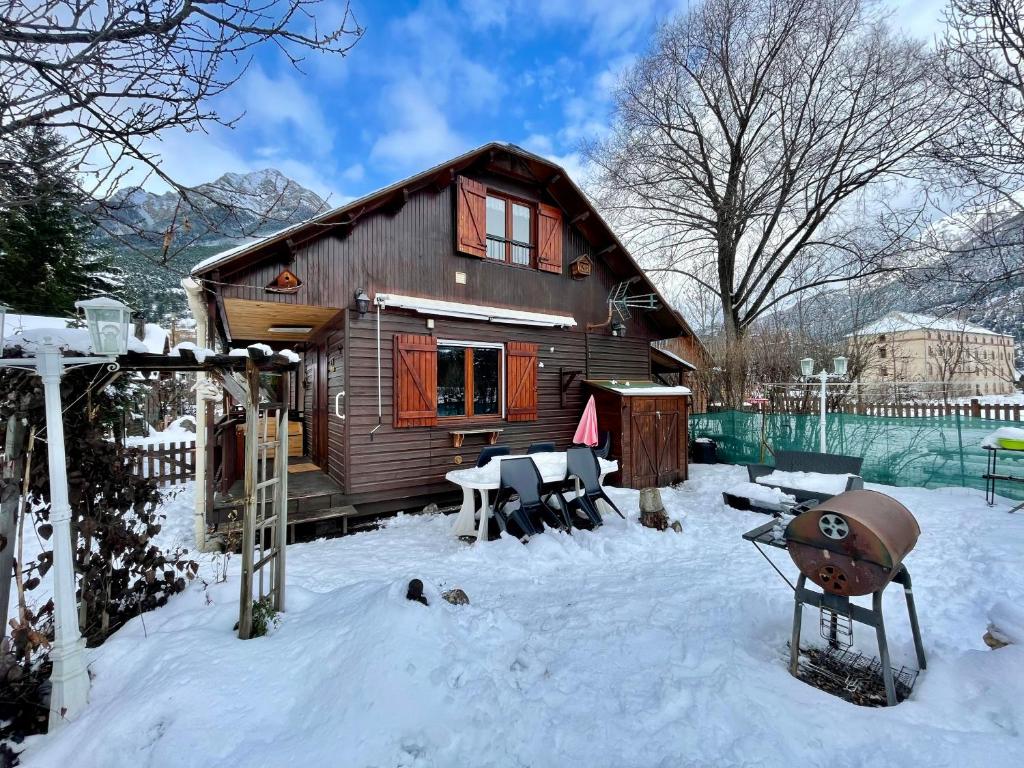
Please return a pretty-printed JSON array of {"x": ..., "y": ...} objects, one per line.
[
  {"x": 155, "y": 338},
  {"x": 474, "y": 311},
  {"x": 898, "y": 322},
  {"x": 15, "y": 323},
  {"x": 641, "y": 387},
  {"x": 75, "y": 340},
  {"x": 673, "y": 356}
]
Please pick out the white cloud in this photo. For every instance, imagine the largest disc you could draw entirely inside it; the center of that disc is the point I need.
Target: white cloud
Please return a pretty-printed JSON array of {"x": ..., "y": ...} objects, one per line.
[
  {"x": 421, "y": 135},
  {"x": 354, "y": 172},
  {"x": 272, "y": 102}
]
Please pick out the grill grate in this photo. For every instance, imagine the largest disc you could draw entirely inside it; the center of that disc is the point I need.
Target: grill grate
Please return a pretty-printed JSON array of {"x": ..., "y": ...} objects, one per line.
[
  {"x": 836, "y": 627},
  {"x": 852, "y": 675}
]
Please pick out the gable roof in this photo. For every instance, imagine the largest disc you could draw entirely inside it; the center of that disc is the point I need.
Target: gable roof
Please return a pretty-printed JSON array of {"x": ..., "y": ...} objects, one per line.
[
  {"x": 550, "y": 176},
  {"x": 900, "y": 322}
]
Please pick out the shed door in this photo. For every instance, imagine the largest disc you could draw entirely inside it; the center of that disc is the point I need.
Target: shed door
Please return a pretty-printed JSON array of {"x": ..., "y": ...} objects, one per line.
[
  {"x": 667, "y": 428},
  {"x": 644, "y": 443}
]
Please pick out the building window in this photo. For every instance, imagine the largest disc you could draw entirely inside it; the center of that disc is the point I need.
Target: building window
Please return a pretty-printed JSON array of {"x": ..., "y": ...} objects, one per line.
[
  {"x": 881, "y": 352},
  {"x": 468, "y": 380},
  {"x": 510, "y": 230},
  {"x": 883, "y": 371}
]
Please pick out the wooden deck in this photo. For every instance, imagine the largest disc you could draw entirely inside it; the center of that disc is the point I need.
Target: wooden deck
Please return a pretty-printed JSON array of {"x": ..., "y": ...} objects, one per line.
[{"x": 313, "y": 497}]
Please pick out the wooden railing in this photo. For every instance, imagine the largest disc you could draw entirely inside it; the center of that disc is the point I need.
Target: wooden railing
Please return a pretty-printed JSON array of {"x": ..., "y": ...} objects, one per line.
[
  {"x": 973, "y": 409},
  {"x": 168, "y": 464}
]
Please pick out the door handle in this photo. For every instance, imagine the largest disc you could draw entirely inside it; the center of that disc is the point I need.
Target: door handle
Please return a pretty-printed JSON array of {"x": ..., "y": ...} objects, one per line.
[{"x": 337, "y": 406}]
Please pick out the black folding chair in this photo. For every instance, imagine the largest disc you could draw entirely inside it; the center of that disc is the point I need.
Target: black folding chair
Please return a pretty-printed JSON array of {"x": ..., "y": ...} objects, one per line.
[
  {"x": 540, "y": 448},
  {"x": 581, "y": 463},
  {"x": 521, "y": 478},
  {"x": 488, "y": 452}
]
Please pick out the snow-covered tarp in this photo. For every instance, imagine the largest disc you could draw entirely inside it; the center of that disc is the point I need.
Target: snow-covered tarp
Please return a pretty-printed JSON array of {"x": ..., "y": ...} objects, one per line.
[
  {"x": 761, "y": 493},
  {"x": 619, "y": 647},
  {"x": 815, "y": 482}
]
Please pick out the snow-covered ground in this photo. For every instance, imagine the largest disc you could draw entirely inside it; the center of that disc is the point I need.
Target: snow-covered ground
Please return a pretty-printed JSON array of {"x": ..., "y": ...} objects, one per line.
[{"x": 621, "y": 647}]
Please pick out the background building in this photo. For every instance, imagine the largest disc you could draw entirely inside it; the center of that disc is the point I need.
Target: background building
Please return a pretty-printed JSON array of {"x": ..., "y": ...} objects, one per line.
[{"x": 915, "y": 355}]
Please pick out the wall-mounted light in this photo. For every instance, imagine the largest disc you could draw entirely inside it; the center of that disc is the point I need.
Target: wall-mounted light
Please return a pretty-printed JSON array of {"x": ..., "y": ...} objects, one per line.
[
  {"x": 290, "y": 329},
  {"x": 362, "y": 302},
  {"x": 618, "y": 328}
]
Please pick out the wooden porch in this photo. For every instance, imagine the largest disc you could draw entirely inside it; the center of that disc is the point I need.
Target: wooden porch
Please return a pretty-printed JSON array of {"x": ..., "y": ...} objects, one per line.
[{"x": 314, "y": 498}]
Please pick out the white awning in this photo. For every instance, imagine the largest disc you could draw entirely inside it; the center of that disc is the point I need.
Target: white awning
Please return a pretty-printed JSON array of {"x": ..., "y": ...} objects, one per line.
[{"x": 473, "y": 311}]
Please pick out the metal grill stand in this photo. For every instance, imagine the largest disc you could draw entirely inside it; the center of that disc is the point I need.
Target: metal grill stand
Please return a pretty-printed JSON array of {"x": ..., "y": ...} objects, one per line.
[
  {"x": 841, "y": 606},
  {"x": 839, "y": 612}
]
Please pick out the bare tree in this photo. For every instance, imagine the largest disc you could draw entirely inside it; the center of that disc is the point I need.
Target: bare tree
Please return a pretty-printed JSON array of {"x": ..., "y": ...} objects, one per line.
[
  {"x": 747, "y": 143},
  {"x": 111, "y": 75},
  {"x": 982, "y": 52}
]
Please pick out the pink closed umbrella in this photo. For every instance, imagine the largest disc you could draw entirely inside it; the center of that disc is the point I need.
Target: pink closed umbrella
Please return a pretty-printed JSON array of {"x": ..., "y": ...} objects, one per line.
[{"x": 586, "y": 432}]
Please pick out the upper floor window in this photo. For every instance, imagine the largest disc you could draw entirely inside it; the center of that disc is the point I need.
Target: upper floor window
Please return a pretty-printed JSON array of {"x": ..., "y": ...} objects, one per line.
[{"x": 509, "y": 230}]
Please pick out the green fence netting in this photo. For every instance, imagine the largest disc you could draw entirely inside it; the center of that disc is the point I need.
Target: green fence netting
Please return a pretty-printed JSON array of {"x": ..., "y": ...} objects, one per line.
[{"x": 922, "y": 451}]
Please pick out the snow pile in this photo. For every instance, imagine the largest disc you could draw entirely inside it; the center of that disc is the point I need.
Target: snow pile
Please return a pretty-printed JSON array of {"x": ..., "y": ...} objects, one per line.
[
  {"x": 814, "y": 482},
  {"x": 200, "y": 353},
  {"x": 1005, "y": 433},
  {"x": 181, "y": 430},
  {"x": 244, "y": 352},
  {"x": 618, "y": 647},
  {"x": 1007, "y": 622},
  {"x": 762, "y": 494}
]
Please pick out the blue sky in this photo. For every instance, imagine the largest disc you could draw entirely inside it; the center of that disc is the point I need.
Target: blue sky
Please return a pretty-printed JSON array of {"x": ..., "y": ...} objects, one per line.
[{"x": 431, "y": 79}]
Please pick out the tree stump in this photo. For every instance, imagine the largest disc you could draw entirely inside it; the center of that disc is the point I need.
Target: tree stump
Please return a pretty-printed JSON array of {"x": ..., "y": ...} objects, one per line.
[
  {"x": 456, "y": 597},
  {"x": 652, "y": 510}
]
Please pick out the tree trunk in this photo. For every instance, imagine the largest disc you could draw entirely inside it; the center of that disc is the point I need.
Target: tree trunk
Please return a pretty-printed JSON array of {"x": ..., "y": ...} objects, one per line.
[{"x": 10, "y": 502}]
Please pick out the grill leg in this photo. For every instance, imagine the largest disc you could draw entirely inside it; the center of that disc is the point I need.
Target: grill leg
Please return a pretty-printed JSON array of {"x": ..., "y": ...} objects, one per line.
[
  {"x": 798, "y": 614},
  {"x": 883, "y": 650},
  {"x": 915, "y": 628}
]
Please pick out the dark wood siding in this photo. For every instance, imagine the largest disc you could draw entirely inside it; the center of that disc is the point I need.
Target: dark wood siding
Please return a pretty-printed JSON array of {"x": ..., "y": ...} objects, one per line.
[
  {"x": 413, "y": 252},
  {"x": 409, "y": 459},
  {"x": 610, "y": 357}
]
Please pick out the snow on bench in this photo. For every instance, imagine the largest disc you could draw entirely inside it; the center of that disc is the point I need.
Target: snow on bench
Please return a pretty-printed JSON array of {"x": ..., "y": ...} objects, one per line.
[{"x": 814, "y": 482}]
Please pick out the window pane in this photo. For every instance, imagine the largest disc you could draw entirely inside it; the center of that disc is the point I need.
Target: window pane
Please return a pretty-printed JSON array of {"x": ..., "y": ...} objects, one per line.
[
  {"x": 486, "y": 363},
  {"x": 495, "y": 217},
  {"x": 520, "y": 223},
  {"x": 495, "y": 249},
  {"x": 451, "y": 381}
]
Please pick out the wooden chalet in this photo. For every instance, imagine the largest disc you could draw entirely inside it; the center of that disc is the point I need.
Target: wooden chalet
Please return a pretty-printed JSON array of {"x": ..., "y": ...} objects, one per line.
[{"x": 466, "y": 305}]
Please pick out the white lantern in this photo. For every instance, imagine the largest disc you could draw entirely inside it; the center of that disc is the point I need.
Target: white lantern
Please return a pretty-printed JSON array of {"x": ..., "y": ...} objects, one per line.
[
  {"x": 109, "y": 321},
  {"x": 3, "y": 326},
  {"x": 807, "y": 366},
  {"x": 839, "y": 365}
]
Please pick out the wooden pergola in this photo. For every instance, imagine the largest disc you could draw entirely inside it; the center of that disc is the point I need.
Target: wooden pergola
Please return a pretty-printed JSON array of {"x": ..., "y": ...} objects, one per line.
[{"x": 265, "y": 503}]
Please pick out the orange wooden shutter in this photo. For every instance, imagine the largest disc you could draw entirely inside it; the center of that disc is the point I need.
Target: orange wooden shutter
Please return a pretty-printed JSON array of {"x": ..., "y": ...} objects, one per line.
[
  {"x": 549, "y": 239},
  {"x": 521, "y": 381},
  {"x": 471, "y": 218},
  {"x": 415, "y": 380}
]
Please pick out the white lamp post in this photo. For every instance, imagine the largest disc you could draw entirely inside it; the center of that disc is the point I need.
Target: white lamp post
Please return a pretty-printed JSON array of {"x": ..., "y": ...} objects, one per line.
[
  {"x": 807, "y": 370},
  {"x": 108, "y": 327}
]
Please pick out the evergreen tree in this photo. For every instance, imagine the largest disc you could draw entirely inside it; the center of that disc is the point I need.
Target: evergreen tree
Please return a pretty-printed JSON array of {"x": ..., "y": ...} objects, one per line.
[{"x": 47, "y": 259}]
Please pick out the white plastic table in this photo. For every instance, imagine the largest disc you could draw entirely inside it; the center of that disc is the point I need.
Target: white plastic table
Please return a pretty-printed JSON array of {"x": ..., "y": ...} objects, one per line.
[{"x": 552, "y": 467}]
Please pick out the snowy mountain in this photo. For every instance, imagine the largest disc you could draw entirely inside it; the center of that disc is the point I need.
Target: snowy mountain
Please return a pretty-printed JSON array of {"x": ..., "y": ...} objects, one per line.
[
  {"x": 233, "y": 206},
  {"x": 217, "y": 215}
]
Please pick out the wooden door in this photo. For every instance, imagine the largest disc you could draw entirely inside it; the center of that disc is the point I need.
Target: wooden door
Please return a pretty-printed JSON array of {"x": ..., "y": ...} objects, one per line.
[
  {"x": 667, "y": 428},
  {"x": 643, "y": 443},
  {"x": 335, "y": 415},
  {"x": 321, "y": 405}
]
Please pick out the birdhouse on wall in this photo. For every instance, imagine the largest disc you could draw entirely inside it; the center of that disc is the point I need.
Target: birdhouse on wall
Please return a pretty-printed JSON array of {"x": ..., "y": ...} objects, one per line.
[
  {"x": 286, "y": 282},
  {"x": 581, "y": 267}
]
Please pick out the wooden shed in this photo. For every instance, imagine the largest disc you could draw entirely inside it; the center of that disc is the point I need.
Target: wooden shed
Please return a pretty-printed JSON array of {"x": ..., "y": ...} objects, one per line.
[{"x": 648, "y": 425}]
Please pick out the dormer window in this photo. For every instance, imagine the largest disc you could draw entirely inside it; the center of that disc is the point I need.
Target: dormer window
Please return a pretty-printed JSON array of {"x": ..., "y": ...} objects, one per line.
[{"x": 509, "y": 230}]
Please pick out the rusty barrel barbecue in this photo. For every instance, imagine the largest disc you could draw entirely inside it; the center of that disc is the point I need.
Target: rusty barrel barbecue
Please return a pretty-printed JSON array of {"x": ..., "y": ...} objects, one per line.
[{"x": 853, "y": 543}]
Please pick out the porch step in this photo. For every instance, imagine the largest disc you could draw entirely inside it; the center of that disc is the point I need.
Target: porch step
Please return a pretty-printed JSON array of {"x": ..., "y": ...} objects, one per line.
[{"x": 343, "y": 512}]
